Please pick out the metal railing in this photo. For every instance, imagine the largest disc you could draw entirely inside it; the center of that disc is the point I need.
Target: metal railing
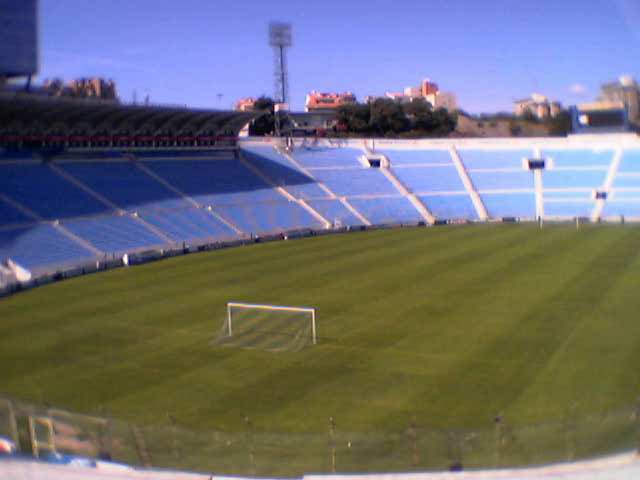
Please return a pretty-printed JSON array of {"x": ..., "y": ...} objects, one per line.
[{"x": 39, "y": 431}]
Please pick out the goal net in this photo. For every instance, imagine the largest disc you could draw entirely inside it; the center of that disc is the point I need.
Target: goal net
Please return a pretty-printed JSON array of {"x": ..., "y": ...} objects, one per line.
[{"x": 268, "y": 327}]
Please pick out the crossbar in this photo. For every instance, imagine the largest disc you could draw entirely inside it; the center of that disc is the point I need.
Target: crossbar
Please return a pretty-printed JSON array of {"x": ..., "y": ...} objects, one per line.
[{"x": 271, "y": 307}]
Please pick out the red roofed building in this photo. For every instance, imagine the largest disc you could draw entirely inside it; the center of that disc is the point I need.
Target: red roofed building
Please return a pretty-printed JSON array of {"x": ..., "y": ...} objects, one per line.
[
  {"x": 328, "y": 101},
  {"x": 245, "y": 104}
]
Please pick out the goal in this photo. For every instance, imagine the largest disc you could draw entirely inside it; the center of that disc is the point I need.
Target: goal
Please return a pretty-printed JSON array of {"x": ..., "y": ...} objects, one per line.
[{"x": 268, "y": 327}]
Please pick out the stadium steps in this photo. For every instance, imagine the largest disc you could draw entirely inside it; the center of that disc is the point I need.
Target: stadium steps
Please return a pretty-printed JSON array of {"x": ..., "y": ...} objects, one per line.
[
  {"x": 106, "y": 201},
  {"x": 283, "y": 191},
  {"x": 163, "y": 235},
  {"x": 81, "y": 241},
  {"x": 71, "y": 179},
  {"x": 64, "y": 231},
  {"x": 210, "y": 210},
  {"x": 481, "y": 210},
  {"x": 404, "y": 191},
  {"x": 326, "y": 189},
  {"x": 608, "y": 183}
]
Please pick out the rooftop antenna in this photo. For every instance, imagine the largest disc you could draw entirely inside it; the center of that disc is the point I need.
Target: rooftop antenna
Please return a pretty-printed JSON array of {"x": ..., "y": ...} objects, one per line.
[{"x": 280, "y": 40}]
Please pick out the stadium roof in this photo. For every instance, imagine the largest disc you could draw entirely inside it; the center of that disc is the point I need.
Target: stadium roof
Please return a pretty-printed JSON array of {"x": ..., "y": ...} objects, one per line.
[{"x": 43, "y": 113}]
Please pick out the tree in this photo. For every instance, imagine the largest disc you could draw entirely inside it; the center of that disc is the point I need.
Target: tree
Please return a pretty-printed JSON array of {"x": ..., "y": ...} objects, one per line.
[
  {"x": 560, "y": 125},
  {"x": 264, "y": 124},
  {"x": 387, "y": 117},
  {"x": 354, "y": 118}
]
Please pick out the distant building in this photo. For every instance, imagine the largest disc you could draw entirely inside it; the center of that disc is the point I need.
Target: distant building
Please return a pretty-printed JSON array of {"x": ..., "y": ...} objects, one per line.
[
  {"x": 247, "y": 104},
  {"x": 328, "y": 101},
  {"x": 427, "y": 90},
  {"x": 96, "y": 87},
  {"x": 625, "y": 91},
  {"x": 538, "y": 106}
]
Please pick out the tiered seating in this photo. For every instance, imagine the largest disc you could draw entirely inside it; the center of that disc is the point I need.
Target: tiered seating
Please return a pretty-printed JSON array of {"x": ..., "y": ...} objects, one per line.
[
  {"x": 328, "y": 157},
  {"x": 568, "y": 205},
  {"x": 579, "y": 157},
  {"x": 417, "y": 157},
  {"x": 188, "y": 224},
  {"x": 114, "y": 234},
  {"x": 357, "y": 181},
  {"x": 245, "y": 199},
  {"x": 574, "y": 179},
  {"x": 502, "y": 180},
  {"x": 41, "y": 248},
  {"x": 282, "y": 172},
  {"x": 430, "y": 179},
  {"x": 215, "y": 182},
  {"x": 271, "y": 217},
  {"x": 494, "y": 159},
  {"x": 335, "y": 212},
  {"x": 450, "y": 207},
  {"x": 500, "y": 205},
  {"x": 625, "y": 195},
  {"x": 11, "y": 216},
  {"x": 387, "y": 210},
  {"x": 428, "y": 173},
  {"x": 124, "y": 184},
  {"x": 39, "y": 188}
]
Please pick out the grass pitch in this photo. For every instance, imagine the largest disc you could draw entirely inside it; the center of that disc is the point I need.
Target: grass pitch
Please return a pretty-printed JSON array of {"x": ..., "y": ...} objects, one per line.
[{"x": 450, "y": 325}]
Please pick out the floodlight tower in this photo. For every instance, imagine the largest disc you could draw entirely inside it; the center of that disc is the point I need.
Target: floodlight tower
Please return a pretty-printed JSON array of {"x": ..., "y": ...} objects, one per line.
[{"x": 280, "y": 40}]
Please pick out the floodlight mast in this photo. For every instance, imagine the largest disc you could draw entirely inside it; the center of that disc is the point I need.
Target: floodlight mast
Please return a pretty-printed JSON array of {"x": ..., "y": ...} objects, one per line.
[{"x": 280, "y": 39}]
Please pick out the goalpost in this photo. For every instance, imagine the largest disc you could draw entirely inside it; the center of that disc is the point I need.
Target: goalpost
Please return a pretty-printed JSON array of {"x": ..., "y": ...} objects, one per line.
[{"x": 268, "y": 327}]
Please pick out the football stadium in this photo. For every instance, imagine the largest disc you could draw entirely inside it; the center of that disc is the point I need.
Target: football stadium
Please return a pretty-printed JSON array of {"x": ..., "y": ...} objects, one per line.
[{"x": 177, "y": 296}]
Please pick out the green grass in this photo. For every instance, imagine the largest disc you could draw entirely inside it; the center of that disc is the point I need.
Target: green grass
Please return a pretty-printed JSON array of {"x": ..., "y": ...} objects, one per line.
[{"x": 450, "y": 325}]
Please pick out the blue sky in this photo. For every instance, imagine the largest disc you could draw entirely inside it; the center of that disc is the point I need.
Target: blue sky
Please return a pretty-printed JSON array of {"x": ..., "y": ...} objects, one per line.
[{"x": 488, "y": 52}]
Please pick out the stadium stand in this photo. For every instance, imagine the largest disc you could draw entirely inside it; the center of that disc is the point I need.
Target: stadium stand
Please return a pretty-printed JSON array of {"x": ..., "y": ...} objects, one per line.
[
  {"x": 335, "y": 211},
  {"x": 454, "y": 207},
  {"x": 41, "y": 248},
  {"x": 124, "y": 184},
  {"x": 118, "y": 180},
  {"x": 42, "y": 191},
  {"x": 114, "y": 234},
  {"x": 385, "y": 211}
]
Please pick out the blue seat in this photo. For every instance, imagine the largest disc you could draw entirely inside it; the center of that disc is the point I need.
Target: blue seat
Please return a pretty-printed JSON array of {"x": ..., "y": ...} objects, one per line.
[
  {"x": 356, "y": 181},
  {"x": 430, "y": 179},
  {"x": 630, "y": 161},
  {"x": 283, "y": 173},
  {"x": 565, "y": 207},
  {"x": 114, "y": 234},
  {"x": 510, "y": 180},
  {"x": 42, "y": 190},
  {"x": 41, "y": 248},
  {"x": 520, "y": 205},
  {"x": 264, "y": 218},
  {"x": 579, "y": 157},
  {"x": 574, "y": 178},
  {"x": 316, "y": 157},
  {"x": 380, "y": 211},
  {"x": 10, "y": 216},
  {"x": 474, "y": 159},
  {"x": 450, "y": 207},
  {"x": 417, "y": 157},
  {"x": 124, "y": 184},
  {"x": 188, "y": 224},
  {"x": 335, "y": 212},
  {"x": 215, "y": 182}
]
